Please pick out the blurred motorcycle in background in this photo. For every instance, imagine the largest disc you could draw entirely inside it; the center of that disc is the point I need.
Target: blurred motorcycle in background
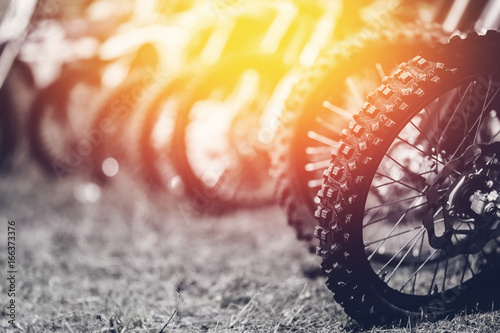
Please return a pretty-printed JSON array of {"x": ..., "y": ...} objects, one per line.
[
  {"x": 15, "y": 76},
  {"x": 215, "y": 148}
]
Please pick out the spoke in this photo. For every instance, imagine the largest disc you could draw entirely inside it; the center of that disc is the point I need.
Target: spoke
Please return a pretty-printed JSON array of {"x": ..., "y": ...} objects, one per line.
[
  {"x": 466, "y": 130},
  {"x": 466, "y": 135},
  {"x": 380, "y": 71},
  {"x": 465, "y": 256},
  {"x": 321, "y": 138},
  {"x": 406, "y": 254},
  {"x": 399, "y": 164},
  {"x": 315, "y": 183},
  {"x": 494, "y": 137},
  {"x": 327, "y": 125},
  {"x": 491, "y": 159},
  {"x": 320, "y": 165},
  {"x": 418, "y": 263},
  {"x": 434, "y": 276},
  {"x": 422, "y": 133},
  {"x": 419, "y": 268},
  {"x": 487, "y": 106},
  {"x": 393, "y": 228},
  {"x": 354, "y": 90},
  {"x": 439, "y": 221},
  {"x": 399, "y": 182},
  {"x": 337, "y": 110},
  {"x": 385, "y": 218},
  {"x": 476, "y": 122},
  {"x": 492, "y": 98},
  {"x": 392, "y": 203},
  {"x": 484, "y": 107},
  {"x": 440, "y": 105},
  {"x": 438, "y": 211},
  {"x": 426, "y": 111},
  {"x": 392, "y": 236},
  {"x": 454, "y": 112},
  {"x": 438, "y": 146},
  {"x": 318, "y": 150},
  {"x": 419, "y": 150},
  {"x": 390, "y": 183}
]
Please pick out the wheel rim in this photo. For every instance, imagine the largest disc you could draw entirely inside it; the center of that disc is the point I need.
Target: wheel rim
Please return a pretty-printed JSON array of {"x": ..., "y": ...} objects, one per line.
[{"x": 404, "y": 190}]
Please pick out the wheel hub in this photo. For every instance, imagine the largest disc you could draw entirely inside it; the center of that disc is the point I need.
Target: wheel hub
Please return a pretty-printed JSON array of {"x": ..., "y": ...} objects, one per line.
[{"x": 469, "y": 206}]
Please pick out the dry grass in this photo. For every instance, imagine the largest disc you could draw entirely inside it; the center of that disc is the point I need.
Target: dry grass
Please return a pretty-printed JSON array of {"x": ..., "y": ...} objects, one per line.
[{"x": 118, "y": 266}]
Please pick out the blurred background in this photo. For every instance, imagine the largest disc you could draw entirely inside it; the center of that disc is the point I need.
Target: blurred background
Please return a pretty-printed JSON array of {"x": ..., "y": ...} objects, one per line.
[
  {"x": 169, "y": 119},
  {"x": 184, "y": 96}
]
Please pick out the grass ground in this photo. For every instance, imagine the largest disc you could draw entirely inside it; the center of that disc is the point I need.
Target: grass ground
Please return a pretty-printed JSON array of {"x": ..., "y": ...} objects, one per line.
[{"x": 129, "y": 262}]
